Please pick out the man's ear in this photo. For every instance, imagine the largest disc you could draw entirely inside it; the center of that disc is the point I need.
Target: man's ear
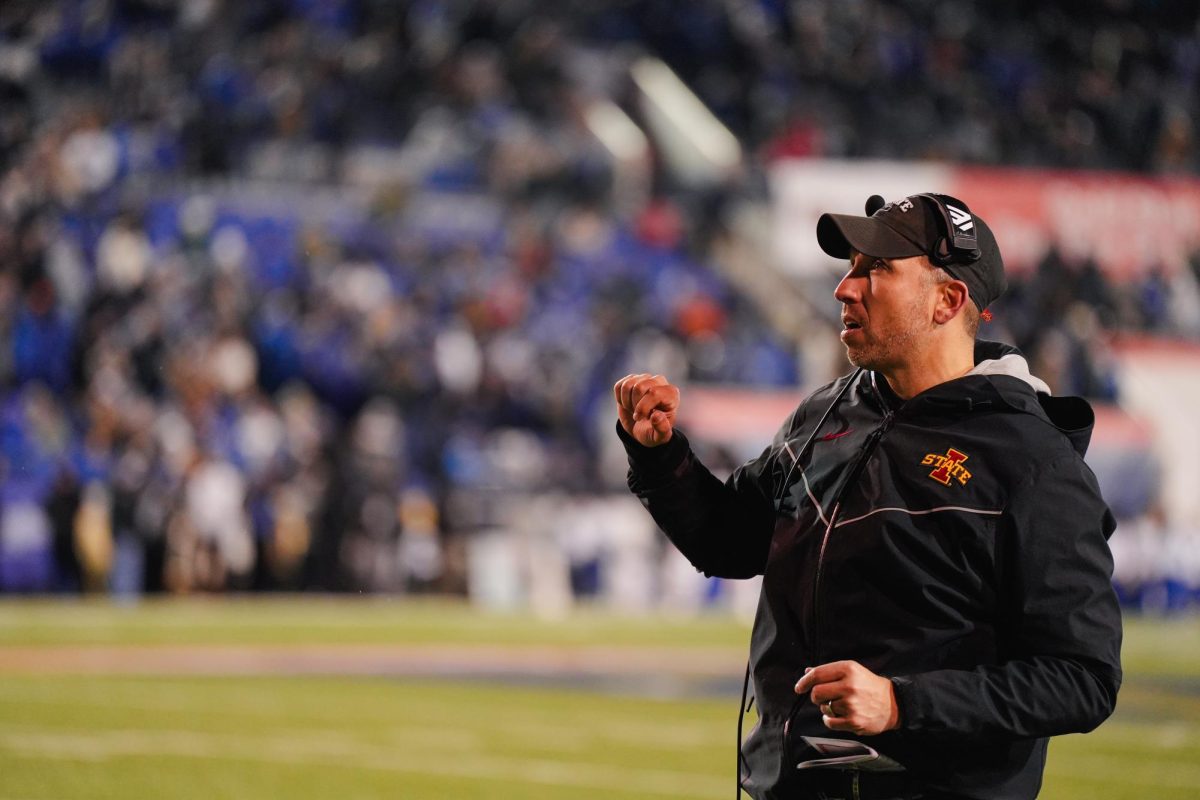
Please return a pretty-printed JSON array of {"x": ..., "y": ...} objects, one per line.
[{"x": 953, "y": 296}]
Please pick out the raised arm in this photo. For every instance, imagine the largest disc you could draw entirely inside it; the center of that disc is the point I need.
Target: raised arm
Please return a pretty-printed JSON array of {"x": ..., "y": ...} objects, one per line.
[{"x": 724, "y": 529}]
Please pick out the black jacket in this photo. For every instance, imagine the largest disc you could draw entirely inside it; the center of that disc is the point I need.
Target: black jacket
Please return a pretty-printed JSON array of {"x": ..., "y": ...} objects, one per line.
[{"x": 955, "y": 542}]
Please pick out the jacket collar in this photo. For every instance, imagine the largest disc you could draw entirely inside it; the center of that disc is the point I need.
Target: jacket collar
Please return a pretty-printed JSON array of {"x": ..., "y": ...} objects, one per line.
[{"x": 1000, "y": 381}]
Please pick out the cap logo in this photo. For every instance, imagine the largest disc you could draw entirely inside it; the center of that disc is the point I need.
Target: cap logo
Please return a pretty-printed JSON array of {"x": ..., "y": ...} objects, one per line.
[
  {"x": 904, "y": 205},
  {"x": 961, "y": 219}
]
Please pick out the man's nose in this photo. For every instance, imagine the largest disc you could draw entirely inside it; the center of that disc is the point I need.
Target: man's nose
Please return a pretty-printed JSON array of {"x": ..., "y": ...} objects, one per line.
[{"x": 848, "y": 289}]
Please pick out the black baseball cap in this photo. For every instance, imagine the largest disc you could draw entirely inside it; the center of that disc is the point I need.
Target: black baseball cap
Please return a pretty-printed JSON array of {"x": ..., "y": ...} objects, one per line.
[{"x": 917, "y": 226}]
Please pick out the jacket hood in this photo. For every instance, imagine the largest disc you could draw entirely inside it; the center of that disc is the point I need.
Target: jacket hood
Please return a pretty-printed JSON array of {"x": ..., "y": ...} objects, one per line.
[
  {"x": 1009, "y": 374},
  {"x": 1001, "y": 377},
  {"x": 994, "y": 358}
]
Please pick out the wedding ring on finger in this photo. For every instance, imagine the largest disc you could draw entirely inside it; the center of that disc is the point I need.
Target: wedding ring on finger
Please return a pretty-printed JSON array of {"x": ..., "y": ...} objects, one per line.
[{"x": 827, "y": 708}]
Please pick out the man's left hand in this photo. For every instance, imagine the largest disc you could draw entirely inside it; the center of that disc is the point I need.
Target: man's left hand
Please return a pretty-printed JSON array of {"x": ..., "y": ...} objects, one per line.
[{"x": 851, "y": 698}]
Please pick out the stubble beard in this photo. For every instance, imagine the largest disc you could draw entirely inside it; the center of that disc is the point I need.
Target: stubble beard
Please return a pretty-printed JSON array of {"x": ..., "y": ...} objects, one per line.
[{"x": 885, "y": 355}]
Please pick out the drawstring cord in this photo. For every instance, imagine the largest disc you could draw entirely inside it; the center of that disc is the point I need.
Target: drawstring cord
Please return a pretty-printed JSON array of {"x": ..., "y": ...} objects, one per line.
[{"x": 743, "y": 709}]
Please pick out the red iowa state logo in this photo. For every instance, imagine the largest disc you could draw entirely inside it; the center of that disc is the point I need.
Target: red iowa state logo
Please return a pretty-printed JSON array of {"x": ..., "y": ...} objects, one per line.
[{"x": 948, "y": 466}]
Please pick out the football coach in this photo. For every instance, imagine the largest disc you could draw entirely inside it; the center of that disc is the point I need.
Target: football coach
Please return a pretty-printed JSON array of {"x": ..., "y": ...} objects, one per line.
[{"x": 936, "y": 571}]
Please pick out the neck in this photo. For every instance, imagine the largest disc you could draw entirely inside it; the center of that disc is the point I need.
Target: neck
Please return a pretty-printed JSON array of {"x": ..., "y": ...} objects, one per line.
[{"x": 931, "y": 368}]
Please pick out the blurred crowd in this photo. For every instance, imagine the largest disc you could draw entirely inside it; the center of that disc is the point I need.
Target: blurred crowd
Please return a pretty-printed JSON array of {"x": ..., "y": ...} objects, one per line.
[
  {"x": 252, "y": 385},
  {"x": 1064, "y": 312},
  {"x": 306, "y": 294},
  {"x": 1106, "y": 84}
]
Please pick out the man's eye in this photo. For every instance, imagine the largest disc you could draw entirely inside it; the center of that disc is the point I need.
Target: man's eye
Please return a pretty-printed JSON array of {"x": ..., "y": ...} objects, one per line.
[{"x": 878, "y": 264}]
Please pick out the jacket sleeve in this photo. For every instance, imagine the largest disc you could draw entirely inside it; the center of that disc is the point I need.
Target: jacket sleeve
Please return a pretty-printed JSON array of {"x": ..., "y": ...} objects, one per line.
[
  {"x": 724, "y": 529},
  {"x": 1059, "y": 625}
]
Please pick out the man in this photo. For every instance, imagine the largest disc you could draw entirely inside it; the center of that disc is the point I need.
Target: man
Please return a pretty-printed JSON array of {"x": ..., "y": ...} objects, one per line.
[{"x": 936, "y": 574}]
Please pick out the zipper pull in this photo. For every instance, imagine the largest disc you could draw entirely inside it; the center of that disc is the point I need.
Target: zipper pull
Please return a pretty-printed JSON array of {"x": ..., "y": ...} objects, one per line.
[{"x": 878, "y": 433}]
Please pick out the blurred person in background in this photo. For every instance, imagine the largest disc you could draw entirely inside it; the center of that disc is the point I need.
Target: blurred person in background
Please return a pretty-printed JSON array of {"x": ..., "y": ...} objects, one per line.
[{"x": 936, "y": 573}]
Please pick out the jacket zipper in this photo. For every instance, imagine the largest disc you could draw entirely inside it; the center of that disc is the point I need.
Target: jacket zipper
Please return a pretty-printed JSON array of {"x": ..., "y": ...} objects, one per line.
[
  {"x": 864, "y": 455},
  {"x": 868, "y": 448}
]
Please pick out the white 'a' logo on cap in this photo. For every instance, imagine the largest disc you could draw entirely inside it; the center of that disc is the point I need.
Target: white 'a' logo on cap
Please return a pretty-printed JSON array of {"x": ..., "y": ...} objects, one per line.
[{"x": 961, "y": 219}]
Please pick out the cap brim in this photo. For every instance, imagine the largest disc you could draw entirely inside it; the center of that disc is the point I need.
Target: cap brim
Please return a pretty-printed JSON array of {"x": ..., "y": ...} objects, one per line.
[{"x": 839, "y": 233}]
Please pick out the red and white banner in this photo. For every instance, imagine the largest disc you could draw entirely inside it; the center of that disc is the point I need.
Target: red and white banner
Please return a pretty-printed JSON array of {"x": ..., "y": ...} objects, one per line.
[{"x": 1128, "y": 223}]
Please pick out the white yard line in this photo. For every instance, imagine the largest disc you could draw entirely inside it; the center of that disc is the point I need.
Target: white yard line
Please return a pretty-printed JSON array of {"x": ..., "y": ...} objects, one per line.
[
  {"x": 101, "y": 746},
  {"x": 441, "y": 660},
  {"x": 1151, "y": 773},
  {"x": 425, "y": 716},
  {"x": 1150, "y": 736}
]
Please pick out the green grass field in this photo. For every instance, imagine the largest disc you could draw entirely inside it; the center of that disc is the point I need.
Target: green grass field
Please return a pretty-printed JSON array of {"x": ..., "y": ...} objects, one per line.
[{"x": 83, "y": 732}]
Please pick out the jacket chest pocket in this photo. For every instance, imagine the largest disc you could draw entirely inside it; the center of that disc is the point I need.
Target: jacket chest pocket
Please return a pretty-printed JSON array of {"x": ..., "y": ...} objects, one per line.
[{"x": 945, "y": 559}]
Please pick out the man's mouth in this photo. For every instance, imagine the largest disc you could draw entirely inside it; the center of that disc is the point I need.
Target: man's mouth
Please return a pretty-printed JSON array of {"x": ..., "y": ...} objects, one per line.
[{"x": 850, "y": 330}]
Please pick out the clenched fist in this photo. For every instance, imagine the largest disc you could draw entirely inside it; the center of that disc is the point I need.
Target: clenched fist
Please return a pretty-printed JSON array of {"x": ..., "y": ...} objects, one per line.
[{"x": 646, "y": 406}]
